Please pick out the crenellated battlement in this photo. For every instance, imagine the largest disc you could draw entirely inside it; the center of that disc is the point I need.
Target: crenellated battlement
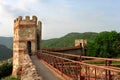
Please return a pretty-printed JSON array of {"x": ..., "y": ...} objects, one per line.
[
  {"x": 27, "y": 18},
  {"x": 39, "y": 22},
  {"x": 25, "y": 21}
]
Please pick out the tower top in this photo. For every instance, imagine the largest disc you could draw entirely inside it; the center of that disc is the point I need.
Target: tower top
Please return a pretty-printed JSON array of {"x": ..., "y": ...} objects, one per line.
[{"x": 27, "y": 18}]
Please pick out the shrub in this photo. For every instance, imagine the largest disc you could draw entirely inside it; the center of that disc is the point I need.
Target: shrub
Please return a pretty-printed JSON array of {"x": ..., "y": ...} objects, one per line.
[
  {"x": 5, "y": 70},
  {"x": 10, "y": 78}
]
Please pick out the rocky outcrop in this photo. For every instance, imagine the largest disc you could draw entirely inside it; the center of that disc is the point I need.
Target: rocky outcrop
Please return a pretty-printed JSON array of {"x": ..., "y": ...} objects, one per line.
[{"x": 29, "y": 71}]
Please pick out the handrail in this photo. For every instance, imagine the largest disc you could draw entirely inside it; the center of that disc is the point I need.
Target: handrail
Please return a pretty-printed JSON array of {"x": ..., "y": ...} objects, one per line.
[
  {"x": 91, "y": 65},
  {"x": 78, "y": 69},
  {"x": 88, "y": 57}
]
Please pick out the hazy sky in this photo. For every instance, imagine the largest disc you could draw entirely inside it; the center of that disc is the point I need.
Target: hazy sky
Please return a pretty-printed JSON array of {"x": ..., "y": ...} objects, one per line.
[{"x": 60, "y": 17}]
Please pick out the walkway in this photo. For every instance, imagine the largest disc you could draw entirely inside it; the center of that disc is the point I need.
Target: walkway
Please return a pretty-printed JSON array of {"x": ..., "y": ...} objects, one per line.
[{"x": 44, "y": 71}]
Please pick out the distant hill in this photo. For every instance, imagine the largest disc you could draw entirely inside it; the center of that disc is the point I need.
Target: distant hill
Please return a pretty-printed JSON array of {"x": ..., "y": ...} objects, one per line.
[
  {"x": 5, "y": 52},
  {"x": 7, "y": 41},
  {"x": 67, "y": 40}
]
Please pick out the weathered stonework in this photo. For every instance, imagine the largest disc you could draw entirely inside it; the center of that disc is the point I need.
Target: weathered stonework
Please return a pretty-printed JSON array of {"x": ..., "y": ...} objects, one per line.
[
  {"x": 27, "y": 37},
  {"x": 29, "y": 71}
]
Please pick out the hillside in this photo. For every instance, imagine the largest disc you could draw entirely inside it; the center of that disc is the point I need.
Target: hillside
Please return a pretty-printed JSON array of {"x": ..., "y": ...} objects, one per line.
[
  {"x": 7, "y": 41},
  {"x": 5, "y": 52},
  {"x": 67, "y": 40}
]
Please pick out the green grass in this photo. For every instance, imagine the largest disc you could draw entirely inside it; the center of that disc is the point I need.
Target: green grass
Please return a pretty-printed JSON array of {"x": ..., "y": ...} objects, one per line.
[
  {"x": 96, "y": 62},
  {"x": 117, "y": 64},
  {"x": 11, "y": 78}
]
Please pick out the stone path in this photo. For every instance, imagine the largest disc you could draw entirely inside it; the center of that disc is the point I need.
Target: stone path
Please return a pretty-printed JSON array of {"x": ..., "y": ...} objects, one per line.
[{"x": 44, "y": 71}]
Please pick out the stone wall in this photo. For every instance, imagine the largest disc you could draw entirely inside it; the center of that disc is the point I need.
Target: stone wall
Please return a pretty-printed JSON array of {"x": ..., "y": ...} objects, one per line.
[{"x": 29, "y": 71}]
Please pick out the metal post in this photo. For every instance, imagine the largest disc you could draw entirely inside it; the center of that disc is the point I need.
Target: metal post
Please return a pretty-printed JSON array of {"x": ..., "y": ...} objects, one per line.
[
  {"x": 80, "y": 73},
  {"x": 109, "y": 73},
  {"x": 62, "y": 64},
  {"x": 86, "y": 73},
  {"x": 80, "y": 61},
  {"x": 106, "y": 70},
  {"x": 95, "y": 74},
  {"x": 80, "y": 52}
]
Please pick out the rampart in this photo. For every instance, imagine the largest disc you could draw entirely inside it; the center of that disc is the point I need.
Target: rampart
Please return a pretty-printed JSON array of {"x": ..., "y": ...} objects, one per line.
[{"x": 29, "y": 71}]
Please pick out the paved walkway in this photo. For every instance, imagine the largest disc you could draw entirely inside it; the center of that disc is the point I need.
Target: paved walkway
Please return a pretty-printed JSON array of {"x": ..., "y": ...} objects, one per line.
[{"x": 44, "y": 71}]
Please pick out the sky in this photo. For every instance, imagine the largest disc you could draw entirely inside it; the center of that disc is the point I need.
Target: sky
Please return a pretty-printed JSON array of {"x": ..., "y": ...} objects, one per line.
[{"x": 60, "y": 17}]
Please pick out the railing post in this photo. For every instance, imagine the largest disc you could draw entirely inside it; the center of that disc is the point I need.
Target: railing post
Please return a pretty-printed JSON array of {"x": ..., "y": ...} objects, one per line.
[
  {"x": 95, "y": 74},
  {"x": 86, "y": 72},
  {"x": 105, "y": 70},
  {"x": 109, "y": 73},
  {"x": 89, "y": 73},
  {"x": 80, "y": 71},
  {"x": 80, "y": 61},
  {"x": 62, "y": 64}
]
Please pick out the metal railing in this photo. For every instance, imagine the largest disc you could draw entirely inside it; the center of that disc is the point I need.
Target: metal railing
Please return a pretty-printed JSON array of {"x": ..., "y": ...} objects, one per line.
[{"x": 78, "y": 70}]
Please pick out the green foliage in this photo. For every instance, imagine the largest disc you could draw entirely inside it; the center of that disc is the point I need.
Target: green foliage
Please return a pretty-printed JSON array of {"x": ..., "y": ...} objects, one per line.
[
  {"x": 67, "y": 40},
  {"x": 105, "y": 44},
  {"x": 5, "y": 70},
  {"x": 97, "y": 62}
]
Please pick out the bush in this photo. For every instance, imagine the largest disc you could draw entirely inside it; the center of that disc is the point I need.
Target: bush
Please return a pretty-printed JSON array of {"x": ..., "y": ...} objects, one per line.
[
  {"x": 11, "y": 78},
  {"x": 5, "y": 70}
]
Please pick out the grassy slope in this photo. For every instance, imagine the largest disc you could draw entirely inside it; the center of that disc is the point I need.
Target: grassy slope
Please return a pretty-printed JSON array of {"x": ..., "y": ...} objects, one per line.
[
  {"x": 7, "y": 41},
  {"x": 67, "y": 40},
  {"x": 5, "y": 52}
]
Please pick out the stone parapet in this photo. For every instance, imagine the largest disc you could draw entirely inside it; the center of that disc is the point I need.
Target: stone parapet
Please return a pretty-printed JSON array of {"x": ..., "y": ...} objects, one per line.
[{"x": 29, "y": 71}]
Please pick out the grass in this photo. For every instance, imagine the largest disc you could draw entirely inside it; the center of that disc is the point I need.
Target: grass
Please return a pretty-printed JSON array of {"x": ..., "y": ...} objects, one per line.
[
  {"x": 96, "y": 62},
  {"x": 10, "y": 78}
]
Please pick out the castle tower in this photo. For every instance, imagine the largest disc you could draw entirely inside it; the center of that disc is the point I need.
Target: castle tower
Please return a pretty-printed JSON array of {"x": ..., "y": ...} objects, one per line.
[
  {"x": 27, "y": 37},
  {"x": 81, "y": 42}
]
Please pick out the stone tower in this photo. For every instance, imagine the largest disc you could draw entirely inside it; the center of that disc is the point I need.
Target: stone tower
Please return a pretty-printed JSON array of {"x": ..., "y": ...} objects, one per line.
[
  {"x": 81, "y": 42},
  {"x": 27, "y": 37}
]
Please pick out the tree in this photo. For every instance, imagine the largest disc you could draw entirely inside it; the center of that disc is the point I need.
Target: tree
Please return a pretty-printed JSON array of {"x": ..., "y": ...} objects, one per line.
[
  {"x": 104, "y": 45},
  {"x": 5, "y": 70},
  {"x": 116, "y": 45}
]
